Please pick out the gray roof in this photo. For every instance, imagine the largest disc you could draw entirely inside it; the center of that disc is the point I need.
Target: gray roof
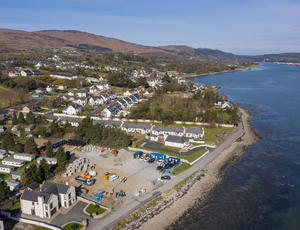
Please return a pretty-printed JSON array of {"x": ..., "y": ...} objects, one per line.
[
  {"x": 108, "y": 122},
  {"x": 9, "y": 159},
  {"x": 7, "y": 166},
  {"x": 33, "y": 196},
  {"x": 176, "y": 129},
  {"x": 24, "y": 155},
  {"x": 176, "y": 139},
  {"x": 194, "y": 130},
  {"x": 127, "y": 99},
  {"x": 48, "y": 187},
  {"x": 18, "y": 173},
  {"x": 136, "y": 125}
]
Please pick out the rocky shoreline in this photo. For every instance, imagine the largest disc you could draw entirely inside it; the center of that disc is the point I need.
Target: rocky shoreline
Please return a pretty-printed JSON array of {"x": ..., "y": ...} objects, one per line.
[{"x": 173, "y": 204}]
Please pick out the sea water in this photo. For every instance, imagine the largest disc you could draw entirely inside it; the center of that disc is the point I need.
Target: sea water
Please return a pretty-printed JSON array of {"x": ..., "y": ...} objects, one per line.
[{"x": 261, "y": 190}]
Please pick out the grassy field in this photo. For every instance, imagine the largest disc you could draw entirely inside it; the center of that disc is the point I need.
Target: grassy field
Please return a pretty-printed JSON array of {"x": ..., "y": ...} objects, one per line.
[
  {"x": 73, "y": 226},
  {"x": 215, "y": 134},
  {"x": 182, "y": 167},
  {"x": 93, "y": 209},
  {"x": 170, "y": 148},
  {"x": 9, "y": 97},
  {"x": 41, "y": 228},
  {"x": 189, "y": 158}
]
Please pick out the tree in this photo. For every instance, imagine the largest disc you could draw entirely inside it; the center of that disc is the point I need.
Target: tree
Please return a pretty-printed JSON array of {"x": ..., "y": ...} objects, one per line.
[
  {"x": 31, "y": 174},
  {"x": 30, "y": 146},
  {"x": 21, "y": 119},
  {"x": 14, "y": 119},
  {"x": 8, "y": 142},
  {"x": 44, "y": 170},
  {"x": 62, "y": 158},
  {"x": 4, "y": 190},
  {"x": 30, "y": 118},
  {"x": 49, "y": 149}
]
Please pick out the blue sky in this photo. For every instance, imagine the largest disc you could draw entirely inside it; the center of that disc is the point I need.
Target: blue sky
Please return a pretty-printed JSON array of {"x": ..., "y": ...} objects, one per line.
[{"x": 238, "y": 26}]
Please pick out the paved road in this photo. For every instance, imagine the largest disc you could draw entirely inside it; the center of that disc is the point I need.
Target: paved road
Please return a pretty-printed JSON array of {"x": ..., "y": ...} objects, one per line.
[
  {"x": 131, "y": 205},
  {"x": 75, "y": 214}
]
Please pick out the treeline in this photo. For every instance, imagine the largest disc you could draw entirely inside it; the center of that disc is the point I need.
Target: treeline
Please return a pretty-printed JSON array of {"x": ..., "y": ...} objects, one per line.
[
  {"x": 101, "y": 135},
  {"x": 172, "y": 107},
  {"x": 122, "y": 80}
]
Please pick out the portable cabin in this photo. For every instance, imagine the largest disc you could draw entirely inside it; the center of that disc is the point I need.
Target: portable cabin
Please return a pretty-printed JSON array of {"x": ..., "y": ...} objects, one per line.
[
  {"x": 174, "y": 160},
  {"x": 158, "y": 156},
  {"x": 137, "y": 154}
]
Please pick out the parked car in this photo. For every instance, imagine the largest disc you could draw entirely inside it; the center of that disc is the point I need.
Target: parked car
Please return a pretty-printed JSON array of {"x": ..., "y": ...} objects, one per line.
[
  {"x": 151, "y": 160},
  {"x": 165, "y": 178},
  {"x": 159, "y": 167}
]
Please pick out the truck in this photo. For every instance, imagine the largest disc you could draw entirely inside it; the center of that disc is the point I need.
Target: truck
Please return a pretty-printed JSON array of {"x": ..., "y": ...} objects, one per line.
[{"x": 85, "y": 181}]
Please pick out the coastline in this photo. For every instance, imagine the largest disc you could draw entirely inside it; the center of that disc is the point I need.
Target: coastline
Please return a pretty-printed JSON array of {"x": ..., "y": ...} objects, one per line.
[
  {"x": 187, "y": 76},
  {"x": 174, "y": 203}
]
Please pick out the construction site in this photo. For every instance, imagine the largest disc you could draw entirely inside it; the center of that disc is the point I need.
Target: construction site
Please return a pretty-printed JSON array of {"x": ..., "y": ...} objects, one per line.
[{"x": 107, "y": 176}]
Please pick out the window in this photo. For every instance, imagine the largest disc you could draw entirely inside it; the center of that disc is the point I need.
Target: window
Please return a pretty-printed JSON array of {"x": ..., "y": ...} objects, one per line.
[
  {"x": 47, "y": 214},
  {"x": 69, "y": 196},
  {"x": 51, "y": 205}
]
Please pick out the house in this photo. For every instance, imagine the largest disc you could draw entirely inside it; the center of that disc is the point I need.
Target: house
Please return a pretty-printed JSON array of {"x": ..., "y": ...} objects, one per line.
[
  {"x": 14, "y": 128},
  {"x": 94, "y": 90},
  {"x": 123, "y": 103},
  {"x": 13, "y": 162},
  {"x": 2, "y": 128},
  {"x": 26, "y": 109},
  {"x": 3, "y": 154},
  {"x": 24, "y": 156},
  {"x": 96, "y": 101},
  {"x": 181, "y": 81},
  {"x": 30, "y": 128},
  {"x": 71, "y": 120},
  {"x": 223, "y": 104},
  {"x": 80, "y": 100},
  {"x": 62, "y": 87},
  {"x": 16, "y": 175},
  {"x": 6, "y": 168},
  {"x": 66, "y": 194},
  {"x": 129, "y": 93},
  {"x": 136, "y": 127},
  {"x": 177, "y": 141},
  {"x": 81, "y": 94},
  {"x": 92, "y": 80},
  {"x": 106, "y": 113},
  {"x": 13, "y": 185},
  {"x": 103, "y": 86},
  {"x": 39, "y": 91},
  {"x": 194, "y": 132},
  {"x": 13, "y": 73},
  {"x": 73, "y": 109},
  {"x": 47, "y": 202},
  {"x": 41, "y": 204},
  {"x": 26, "y": 73},
  {"x": 50, "y": 161},
  {"x": 111, "y": 110},
  {"x": 49, "y": 89},
  {"x": 109, "y": 123},
  {"x": 168, "y": 130},
  {"x": 153, "y": 138},
  {"x": 36, "y": 73}
]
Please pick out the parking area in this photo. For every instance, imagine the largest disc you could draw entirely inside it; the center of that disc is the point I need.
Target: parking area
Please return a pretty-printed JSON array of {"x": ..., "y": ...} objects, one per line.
[{"x": 75, "y": 214}]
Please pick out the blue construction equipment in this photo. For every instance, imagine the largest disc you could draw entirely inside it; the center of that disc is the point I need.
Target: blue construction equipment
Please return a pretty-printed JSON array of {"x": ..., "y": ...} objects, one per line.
[
  {"x": 98, "y": 195},
  {"x": 158, "y": 156},
  {"x": 137, "y": 154}
]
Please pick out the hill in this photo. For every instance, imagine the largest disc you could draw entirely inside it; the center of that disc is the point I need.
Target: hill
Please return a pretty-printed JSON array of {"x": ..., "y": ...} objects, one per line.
[
  {"x": 17, "y": 39},
  {"x": 283, "y": 57}
]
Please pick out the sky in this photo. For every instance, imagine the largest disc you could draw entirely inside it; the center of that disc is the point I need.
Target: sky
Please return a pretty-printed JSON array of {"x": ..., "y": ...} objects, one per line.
[{"x": 237, "y": 26}]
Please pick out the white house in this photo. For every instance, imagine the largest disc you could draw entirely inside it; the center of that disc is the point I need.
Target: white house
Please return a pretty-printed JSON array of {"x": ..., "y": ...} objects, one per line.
[
  {"x": 49, "y": 160},
  {"x": 176, "y": 141},
  {"x": 24, "y": 156},
  {"x": 13, "y": 185},
  {"x": 81, "y": 94},
  {"x": 168, "y": 130},
  {"x": 96, "y": 101},
  {"x": 103, "y": 86},
  {"x": 80, "y": 100},
  {"x": 72, "y": 109},
  {"x": 194, "y": 132},
  {"x": 45, "y": 203},
  {"x": 223, "y": 104},
  {"x": 66, "y": 194},
  {"x": 3, "y": 154},
  {"x": 94, "y": 90},
  {"x": 13, "y": 162},
  {"x": 6, "y": 168},
  {"x": 106, "y": 113},
  {"x": 136, "y": 127},
  {"x": 49, "y": 89},
  {"x": 41, "y": 204},
  {"x": 29, "y": 128}
]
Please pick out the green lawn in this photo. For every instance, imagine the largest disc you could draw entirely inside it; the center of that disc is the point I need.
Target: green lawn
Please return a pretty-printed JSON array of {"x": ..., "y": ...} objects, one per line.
[
  {"x": 170, "y": 148},
  {"x": 93, "y": 209},
  {"x": 215, "y": 134},
  {"x": 189, "y": 158},
  {"x": 41, "y": 228},
  {"x": 16, "y": 207},
  {"x": 182, "y": 167},
  {"x": 4, "y": 176},
  {"x": 73, "y": 226}
]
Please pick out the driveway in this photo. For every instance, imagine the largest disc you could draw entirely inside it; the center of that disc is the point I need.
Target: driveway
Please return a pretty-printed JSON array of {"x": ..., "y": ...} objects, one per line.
[{"x": 75, "y": 214}]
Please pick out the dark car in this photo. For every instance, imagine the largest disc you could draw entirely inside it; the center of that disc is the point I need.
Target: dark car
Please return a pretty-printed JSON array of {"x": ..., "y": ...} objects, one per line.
[
  {"x": 159, "y": 167},
  {"x": 165, "y": 178},
  {"x": 168, "y": 166},
  {"x": 151, "y": 160}
]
